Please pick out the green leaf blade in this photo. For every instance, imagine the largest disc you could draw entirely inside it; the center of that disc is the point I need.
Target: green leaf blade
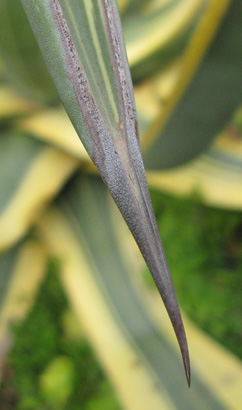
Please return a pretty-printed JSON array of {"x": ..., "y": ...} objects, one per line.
[
  {"x": 194, "y": 116},
  {"x": 31, "y": 173},
  {"x": 94, "y": 54},
  {"x": 23, "y": 65},
  {"x": 156, "y": 35}
]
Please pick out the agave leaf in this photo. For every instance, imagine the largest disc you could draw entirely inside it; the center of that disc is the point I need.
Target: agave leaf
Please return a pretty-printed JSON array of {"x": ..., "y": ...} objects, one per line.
[
  {"x": 123, "y": 4},
  {"x": 23, "y": 63},
  {"x": 215, "y": 176},
  {"x": 133, "y": 6},
  {"x": 101, "y": 273},
  {"x": 54, "y": 127},
  {"x": 83, "y": 47},
  {"x": 155, "y": 37},
  {"x": 31, "y": 173},
  {"x": 152, "y": 94},
  {"x": 12, "y": 105},
  {"x": 206, "y": 95},
  {"x": 21, "y": 270}
]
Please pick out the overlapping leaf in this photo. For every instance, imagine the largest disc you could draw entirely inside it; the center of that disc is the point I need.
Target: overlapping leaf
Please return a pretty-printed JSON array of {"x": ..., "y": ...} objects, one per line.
[
  {"x": 53, "y": 126},
  {"x": 12, "y": 105},
  {"x": 216, "y": 176},
  {"x": 31, "y": 173},
  {"x": 123, "y": 4},
  {"x": 23, "y": 63},
  {"x": 156, "y": 35},
  {"x": 206, "y": 95}
]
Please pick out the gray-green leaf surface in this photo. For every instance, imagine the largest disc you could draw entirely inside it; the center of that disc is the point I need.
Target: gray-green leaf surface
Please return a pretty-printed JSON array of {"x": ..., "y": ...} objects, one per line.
[{"x": 85, "y": 53}]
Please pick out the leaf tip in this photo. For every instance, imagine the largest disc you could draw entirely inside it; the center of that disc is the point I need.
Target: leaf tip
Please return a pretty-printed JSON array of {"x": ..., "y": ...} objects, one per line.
[
  {"x": 182, "y": 340},
  {"x": 186, "y": 363},
  {"x": 180, "y": 333}
]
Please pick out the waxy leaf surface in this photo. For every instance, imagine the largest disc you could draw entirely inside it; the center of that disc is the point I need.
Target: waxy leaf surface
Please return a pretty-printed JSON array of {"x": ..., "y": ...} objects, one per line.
[{"x": 84, "y": 49}]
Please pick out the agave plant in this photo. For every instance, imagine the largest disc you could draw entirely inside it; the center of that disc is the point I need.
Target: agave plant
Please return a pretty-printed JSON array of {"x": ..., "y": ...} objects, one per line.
[{"x": 185, "y": 63}]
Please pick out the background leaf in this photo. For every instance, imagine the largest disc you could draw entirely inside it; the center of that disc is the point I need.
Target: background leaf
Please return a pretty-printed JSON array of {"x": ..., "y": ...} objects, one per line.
[
  {"x": 31, "y": 174},
  {"x": 53, "y": 126},
  {"x": 19, "y": 51},
  {"x": 12, "y": 105},
  {"x": 121, "y": 316},
  {"x": 196, "y": 114},
  {"x": 155, "y": 36},
  {"x": 214, "y": 177}
]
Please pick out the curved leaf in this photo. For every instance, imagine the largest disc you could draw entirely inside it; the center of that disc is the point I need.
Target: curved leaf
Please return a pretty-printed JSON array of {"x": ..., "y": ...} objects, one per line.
[
  {"x": 215, "y": 176},
  {"x": 84, "y": 50},
  {"x": 155, "y": 37},
  {"x": 13, "y": 106},
  {"x": 203, "y": 101},
  {"x": 123, "y": 4},
  {"x": 20, "y": 54},
  {"x": 151, "y": 95},
  {"x": 131, "y": 6},
  {"x": 31, "y": 173},
  {"x": 54, "y": 127}
]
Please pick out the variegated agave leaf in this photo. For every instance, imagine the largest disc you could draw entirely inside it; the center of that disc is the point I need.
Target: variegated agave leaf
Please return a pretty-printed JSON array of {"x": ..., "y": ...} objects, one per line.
[
  {"x": 20, "y": 55},
  {"x": 85, "y": 53},
  {"x": 31, "y": 173},
  {"x": 206, "y": 94},
  {"x": 158, "y": 32}
]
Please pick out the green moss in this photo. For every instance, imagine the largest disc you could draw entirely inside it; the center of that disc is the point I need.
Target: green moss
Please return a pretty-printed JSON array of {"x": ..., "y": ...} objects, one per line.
[
  {"x": 103, "y": 398},
  {"x": 56, "y": 382},
  {"x": 42, "y": 347}
]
